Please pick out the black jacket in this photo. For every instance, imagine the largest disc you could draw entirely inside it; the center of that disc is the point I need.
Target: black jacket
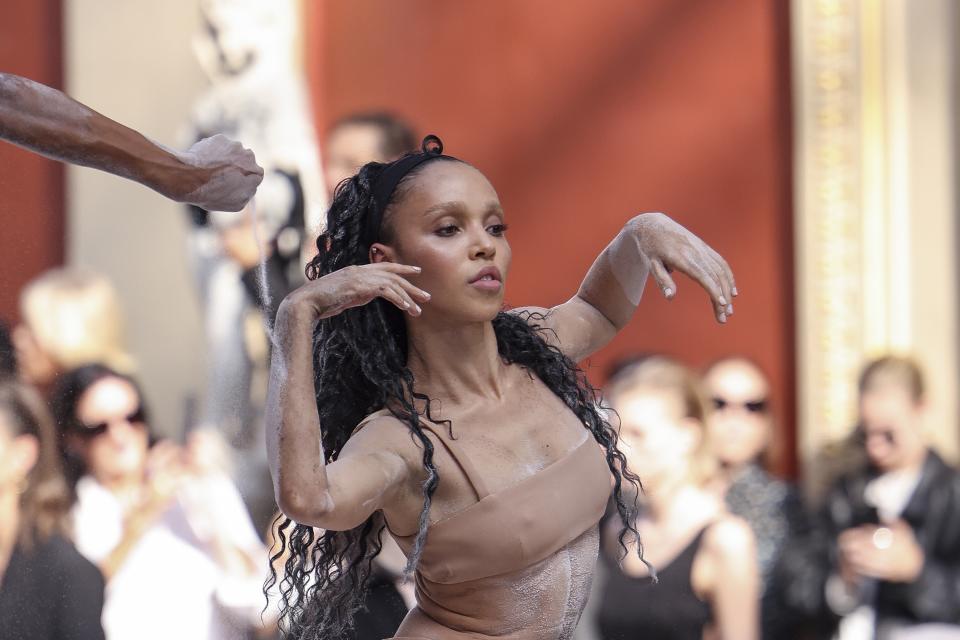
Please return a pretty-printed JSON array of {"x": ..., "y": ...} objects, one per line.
[
  {"x": 933, "y": 512},
  {"x": 51, "y": 593}
]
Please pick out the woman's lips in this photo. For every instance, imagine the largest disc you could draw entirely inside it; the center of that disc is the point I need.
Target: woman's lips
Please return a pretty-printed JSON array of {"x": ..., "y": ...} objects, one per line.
[{"x": 487, "y": 283}]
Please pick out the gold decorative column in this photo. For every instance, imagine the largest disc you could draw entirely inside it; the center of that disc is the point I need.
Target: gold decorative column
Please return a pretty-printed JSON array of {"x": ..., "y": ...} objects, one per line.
[{"x": 874, "y": 139}]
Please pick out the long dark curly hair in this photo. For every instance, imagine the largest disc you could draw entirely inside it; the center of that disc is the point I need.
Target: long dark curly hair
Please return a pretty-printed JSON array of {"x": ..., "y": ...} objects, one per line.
[{"x": 360, "y": 365}]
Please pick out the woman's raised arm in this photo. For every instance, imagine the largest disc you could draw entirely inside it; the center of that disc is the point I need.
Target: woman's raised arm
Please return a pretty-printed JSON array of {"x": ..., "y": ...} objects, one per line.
[
  {"x": 650, "y": 243},
  {"x": 216, "y": 173},
  {"x": 369, "y": 470}
]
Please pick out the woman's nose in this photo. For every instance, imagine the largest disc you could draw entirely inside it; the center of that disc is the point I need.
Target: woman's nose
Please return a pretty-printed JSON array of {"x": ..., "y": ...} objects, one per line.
[{"x": 482, "y": 246}]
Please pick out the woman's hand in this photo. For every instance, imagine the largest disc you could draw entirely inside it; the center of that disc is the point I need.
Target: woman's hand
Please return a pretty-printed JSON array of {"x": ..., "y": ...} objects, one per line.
[
  {"x": 668, "y": 246},
  {"x": 356, "y": 286}
]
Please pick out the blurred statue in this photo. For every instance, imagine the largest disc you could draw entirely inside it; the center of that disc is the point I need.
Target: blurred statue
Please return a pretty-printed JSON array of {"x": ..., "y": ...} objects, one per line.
[{"x": 256, "y": 93}]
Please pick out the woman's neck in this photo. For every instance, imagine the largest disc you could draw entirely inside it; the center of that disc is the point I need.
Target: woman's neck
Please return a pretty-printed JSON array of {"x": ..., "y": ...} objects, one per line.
[
  {"x": 126, "y": 488},
  {"x": 456, "y": 363},
  {"x": 676, "y": 497}
]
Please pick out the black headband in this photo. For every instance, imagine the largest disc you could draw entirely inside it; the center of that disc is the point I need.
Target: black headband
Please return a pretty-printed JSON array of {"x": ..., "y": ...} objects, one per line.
[{"x": 430, "y": 149}]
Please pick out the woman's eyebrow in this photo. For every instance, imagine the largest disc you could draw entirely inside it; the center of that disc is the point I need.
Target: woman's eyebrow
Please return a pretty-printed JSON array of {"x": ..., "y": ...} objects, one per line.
[
  {"x": 494, "y": 207},
  {"x": 443, "y": 207}
]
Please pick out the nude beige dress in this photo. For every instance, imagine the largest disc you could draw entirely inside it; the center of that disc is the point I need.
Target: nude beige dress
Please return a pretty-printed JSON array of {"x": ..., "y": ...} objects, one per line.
[{"x": 516, "y": 564}]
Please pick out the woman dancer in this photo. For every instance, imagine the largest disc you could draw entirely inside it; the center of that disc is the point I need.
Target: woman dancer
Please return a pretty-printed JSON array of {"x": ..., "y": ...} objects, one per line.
[{"x": 401, "y": 395}]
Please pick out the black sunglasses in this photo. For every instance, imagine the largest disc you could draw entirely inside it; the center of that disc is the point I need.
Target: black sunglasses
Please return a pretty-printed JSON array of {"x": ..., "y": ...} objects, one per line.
[
  {"x": 93, "y": 430},
  {"x": 754, "y": 406},
  {"x": 888, "y": 435}
]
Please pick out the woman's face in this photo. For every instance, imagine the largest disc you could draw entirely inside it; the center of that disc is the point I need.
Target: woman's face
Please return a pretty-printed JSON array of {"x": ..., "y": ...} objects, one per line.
[
  {"x": 450, "y": 223},
  {"x": 113, "y": 439},
  {"x": 740, "y": 423},
  {"x": 657, "y": 440}
]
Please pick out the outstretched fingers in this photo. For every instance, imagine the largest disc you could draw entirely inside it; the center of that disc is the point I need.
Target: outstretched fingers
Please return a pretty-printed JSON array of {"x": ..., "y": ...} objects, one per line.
[{"x": 711, "y": 282}]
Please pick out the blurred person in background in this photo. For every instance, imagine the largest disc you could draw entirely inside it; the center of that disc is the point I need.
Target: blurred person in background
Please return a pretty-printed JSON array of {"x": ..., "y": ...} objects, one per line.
[
  {"x": 70, "y": 317},
  {"x": 884, "y": 558},
  {"x": 48, "y": 591},
  {"x": 164, "y": 523},
  {"x": 356, "y": 139},
  {"x": 704, "y": 557},
  {"x": 740, "y": 428}
]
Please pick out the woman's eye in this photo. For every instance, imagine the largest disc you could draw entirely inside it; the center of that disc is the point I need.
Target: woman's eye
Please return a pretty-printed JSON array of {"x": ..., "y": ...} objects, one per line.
[
  {"x": 447, "y": 230},
  {"x": 497, "y": 229}
]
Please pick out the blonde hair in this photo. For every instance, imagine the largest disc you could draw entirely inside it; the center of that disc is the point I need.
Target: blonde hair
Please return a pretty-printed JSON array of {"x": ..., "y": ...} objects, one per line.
[
  {"x": 660, "y": 374},
  {"x": 76, "y": 318}
]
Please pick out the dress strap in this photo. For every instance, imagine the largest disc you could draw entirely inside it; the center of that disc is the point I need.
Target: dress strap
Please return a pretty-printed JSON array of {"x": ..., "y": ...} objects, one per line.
[
  {"x": 451, "y": 445},
  {"x": 459, "y": 456}
]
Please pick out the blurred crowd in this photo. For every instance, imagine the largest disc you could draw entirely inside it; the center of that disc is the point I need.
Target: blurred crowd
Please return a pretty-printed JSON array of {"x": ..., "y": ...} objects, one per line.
[{"x": 109, "y": 531}]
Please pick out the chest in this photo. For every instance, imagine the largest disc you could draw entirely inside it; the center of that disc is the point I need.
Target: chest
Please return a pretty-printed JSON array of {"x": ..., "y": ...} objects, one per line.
[{"x": 488, "y": 448}]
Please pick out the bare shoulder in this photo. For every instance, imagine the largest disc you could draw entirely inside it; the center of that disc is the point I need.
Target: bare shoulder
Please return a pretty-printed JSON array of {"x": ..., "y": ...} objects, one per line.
[
  {"x": 535, "y": 316},
  {"x": 730, "y": 537},
  {"x": 383, "y": 434}
]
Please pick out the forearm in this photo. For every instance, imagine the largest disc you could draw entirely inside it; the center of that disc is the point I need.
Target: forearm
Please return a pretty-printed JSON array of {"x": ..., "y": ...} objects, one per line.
[
  {"x": 615, "y": 282},
  {"x": 294, "y": 446},
  {"x": 50, "y": 123}
]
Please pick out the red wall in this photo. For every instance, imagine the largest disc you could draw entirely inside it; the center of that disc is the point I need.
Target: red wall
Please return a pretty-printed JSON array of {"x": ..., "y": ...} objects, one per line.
[
  {"x": 583, "y": 114},
  {"x": 31, "y": 187}
]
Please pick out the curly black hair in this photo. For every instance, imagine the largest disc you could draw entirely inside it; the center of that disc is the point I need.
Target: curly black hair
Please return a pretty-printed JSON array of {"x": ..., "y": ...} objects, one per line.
[{"x": 360, "y": 365}]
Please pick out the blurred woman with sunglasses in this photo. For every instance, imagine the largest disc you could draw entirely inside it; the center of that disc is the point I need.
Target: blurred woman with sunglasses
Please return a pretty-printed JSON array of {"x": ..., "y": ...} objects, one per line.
[
  {"x": 47, "y": 590},
  {"x": 705, "y": 558},
  {"x": 740, "y": 428},
  {"x": 168, "y": 528}
]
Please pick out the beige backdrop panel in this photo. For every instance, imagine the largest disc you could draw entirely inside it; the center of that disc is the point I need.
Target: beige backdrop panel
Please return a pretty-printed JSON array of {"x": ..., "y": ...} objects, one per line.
[{"x": 131, "y": 59}]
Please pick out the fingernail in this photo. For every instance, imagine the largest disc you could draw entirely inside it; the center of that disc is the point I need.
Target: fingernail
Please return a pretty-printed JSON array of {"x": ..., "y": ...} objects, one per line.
[
  {"x": 426, "y": 295},
  {"x": 406, "y": 304},
  {"x": 735, "y": 291},
  {"x": 723, "y": 301},
  {"x": 417, "y": 269},
  {"x": 729, "y": 309},
  {"x": 723, "y": 317},
  {"x": 419, "y": 310},
  {"x": 668, "y": 292}
]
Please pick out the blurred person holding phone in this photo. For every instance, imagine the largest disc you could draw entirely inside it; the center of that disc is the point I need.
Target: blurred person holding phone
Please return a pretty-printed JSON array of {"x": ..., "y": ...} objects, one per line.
[
  {"x": 884, "y": 559},
  {"x": 48, "y": 591},
  {"x": 740, "y": 428},
  {"x": 164, "y": 523},
  {"x": 707, "y": 585}
]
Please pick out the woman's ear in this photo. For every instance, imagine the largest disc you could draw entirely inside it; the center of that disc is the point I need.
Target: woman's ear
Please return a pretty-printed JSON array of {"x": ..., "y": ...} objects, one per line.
[
  {"x": 380, "y": 253},
  {"x": 26, "y": 450}
]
